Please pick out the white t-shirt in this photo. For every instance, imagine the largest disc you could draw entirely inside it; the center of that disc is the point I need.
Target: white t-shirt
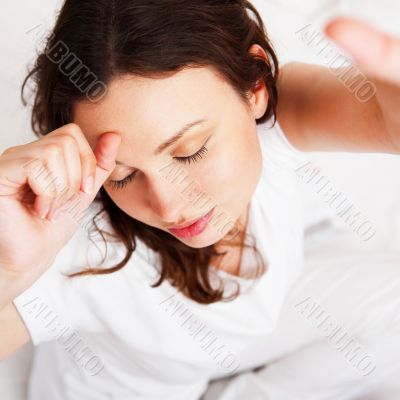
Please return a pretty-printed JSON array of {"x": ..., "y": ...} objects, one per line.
[{"x": 114, "y": 337}]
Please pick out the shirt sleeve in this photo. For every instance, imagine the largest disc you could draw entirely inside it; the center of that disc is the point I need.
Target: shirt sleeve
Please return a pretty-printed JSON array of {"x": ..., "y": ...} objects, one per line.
[
  {"x": 282, "y": 157},
  {"x": 281, "y": 150},
  {"x": 318, "y": 216}
]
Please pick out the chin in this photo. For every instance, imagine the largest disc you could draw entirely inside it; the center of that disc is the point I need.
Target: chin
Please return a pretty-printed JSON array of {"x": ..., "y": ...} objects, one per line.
[{"x": 197, "y": 243}]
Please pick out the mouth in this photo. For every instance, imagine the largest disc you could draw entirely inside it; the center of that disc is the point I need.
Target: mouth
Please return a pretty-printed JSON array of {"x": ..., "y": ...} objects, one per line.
[{"x": 192, "y": 228}]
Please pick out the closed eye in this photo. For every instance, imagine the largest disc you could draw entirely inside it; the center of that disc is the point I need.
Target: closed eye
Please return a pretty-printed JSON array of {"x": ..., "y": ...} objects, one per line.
[
  {"x": 194, "y": 157},
  {"x": 186, "y": 160}
]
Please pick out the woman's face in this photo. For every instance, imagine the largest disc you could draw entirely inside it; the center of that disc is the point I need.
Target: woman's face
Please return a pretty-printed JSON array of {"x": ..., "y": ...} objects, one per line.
[{"x": 152, "y": 181}]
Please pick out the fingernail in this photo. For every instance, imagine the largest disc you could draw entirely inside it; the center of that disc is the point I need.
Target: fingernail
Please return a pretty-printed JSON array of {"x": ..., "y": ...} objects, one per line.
[
  {"x": 43, "y": 210},
  {"x": 89, "y": 185}
]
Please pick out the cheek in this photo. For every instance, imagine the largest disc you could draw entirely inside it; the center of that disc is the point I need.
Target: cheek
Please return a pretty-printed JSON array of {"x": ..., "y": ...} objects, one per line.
[
  {"x": 129, "y": 200},
  {"x": 219, "y": 175},
  {"x": 237, "y": 168}
]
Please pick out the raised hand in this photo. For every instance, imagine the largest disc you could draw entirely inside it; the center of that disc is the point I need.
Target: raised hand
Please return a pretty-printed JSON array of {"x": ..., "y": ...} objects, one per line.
[
  {"x": 36, "y": 180},
  {"x": 375, "y": 52}
]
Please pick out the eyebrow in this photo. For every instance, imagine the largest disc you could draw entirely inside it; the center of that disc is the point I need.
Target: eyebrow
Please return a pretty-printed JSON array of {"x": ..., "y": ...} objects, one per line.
[{"x": 178, "y": 135}]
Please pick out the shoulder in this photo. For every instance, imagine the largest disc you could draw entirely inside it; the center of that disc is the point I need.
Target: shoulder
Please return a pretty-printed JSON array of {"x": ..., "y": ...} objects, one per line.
[
  {"x": 290, "y": 98},
  {"x": 277, "y": 150}
]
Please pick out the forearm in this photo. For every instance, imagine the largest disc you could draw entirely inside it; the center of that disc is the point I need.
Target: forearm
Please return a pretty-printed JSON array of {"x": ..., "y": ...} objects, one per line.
[
  {"x": 377, "y": 54},
  {"x": 319, "y": 111},
  {"x": 11, "y": 285},
  {"x": 13, "y": 332},
  {"x": 388, "y": 99}
]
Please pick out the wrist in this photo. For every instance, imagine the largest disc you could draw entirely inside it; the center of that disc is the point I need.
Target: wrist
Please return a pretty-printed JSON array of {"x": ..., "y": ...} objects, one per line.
[{"x": 12, "y": 284}]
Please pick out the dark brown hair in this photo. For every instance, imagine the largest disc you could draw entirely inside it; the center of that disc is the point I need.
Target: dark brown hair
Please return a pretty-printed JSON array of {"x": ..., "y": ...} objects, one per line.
[{"x": 94, "y": 41}]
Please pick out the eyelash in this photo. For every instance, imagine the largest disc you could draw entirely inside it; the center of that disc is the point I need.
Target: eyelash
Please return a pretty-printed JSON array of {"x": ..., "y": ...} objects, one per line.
[{"x": 185, "y": 160}]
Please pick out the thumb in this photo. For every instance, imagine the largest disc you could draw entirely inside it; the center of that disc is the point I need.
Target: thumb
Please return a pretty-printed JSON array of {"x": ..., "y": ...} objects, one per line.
[{"x": 105, "y": 152}]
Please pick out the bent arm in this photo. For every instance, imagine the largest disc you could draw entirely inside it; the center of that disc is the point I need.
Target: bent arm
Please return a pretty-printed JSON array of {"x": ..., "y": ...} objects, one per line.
[
  {"x": 13, "y": 332},
  {"x": 319, "y": 112}
]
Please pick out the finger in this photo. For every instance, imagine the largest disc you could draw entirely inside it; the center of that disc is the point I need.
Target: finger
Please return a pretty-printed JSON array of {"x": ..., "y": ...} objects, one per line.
[
  {"x": 73, "y": 165},
  {"x": 87, "y": 158},
  {"x": 44, "y": 171},
  {"x": 106, "y": 152},
  {"x": 376, "y": 52},
  {"x": 47, "y": 178},
  {"x": 51, "y": 168}
]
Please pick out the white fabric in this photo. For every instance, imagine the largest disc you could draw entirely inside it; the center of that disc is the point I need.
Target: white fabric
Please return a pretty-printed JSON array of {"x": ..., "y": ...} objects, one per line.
[
  {"x": 151, "y": 343},
  {"x": 338, "y": 334},
  {"x": 353, "y": 174}
]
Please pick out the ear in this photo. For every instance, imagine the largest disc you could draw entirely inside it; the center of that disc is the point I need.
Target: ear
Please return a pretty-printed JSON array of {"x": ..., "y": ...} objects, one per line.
[{"x": 259, "y": 96}]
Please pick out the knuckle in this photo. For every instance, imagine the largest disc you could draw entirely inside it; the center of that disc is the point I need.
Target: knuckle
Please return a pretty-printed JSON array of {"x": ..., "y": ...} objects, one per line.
[
  {"x": 67, "y": 140},
  {"x": 73, "y": 128},
  {"x": 50, "y": 183},
  {"x": 52, "y": 150},
  {"x": 49, "y": 189},
  {"x": 35, "y": 166}
]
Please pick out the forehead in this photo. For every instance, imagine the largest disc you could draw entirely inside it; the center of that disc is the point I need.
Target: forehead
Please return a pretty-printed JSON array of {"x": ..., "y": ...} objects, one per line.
[{"x": 138, "y": 105}]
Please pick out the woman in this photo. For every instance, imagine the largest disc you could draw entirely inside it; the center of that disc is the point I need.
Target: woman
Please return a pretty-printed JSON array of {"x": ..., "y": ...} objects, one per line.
[{"x": 160, "y": 116}]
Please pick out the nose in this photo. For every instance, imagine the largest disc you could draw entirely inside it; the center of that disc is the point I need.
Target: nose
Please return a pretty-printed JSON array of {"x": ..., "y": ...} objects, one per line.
[{"x": 167, "y": 202}]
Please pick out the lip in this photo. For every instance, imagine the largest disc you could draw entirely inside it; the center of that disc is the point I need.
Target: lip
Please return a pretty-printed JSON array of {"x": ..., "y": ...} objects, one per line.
[
  {"x": 186, "y": 224},
  {"x": 192, "y": 228}
]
